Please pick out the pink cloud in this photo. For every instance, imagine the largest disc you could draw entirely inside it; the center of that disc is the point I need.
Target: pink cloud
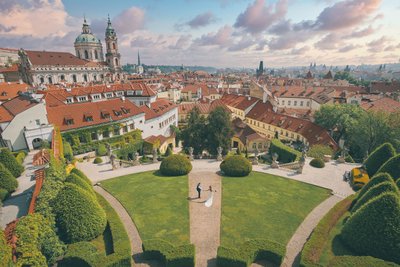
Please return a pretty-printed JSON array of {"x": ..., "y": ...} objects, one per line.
[
  {"x": 129, "y": 20},
  {"x": 221, "y": 38},
  {"x": 201, "y": 20}
]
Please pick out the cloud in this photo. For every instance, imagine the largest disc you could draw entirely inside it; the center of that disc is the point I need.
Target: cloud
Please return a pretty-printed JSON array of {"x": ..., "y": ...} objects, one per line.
[
  {"x": 242, "y": 44},
  {"x": 348, "y": 48},
  {"x": 361, "y": 33},
  {"x": 183, "y": 42},
  {"x": 201, "y": 20},
  {"x": 300, "y": 51},
  {"x": 129, "y": 20},
  {"x": 258, "y": 16},
  {"x": 221, "y": 38},
  {"x": 392, "y": 48},
  {"x": 377, "y": 45},
  {"x": 328, "y": 42}
]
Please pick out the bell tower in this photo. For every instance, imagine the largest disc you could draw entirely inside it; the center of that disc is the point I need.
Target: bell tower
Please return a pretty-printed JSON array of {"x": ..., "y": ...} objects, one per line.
[{"x": 113, "y": 57}]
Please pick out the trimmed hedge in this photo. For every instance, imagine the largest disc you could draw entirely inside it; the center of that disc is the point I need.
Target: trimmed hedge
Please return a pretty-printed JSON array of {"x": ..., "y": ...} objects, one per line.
[
  {"x": 375, "y": 228},
  {"x": 236, "y": 166},
  {"x": 101, "y": 150},
  {"x": 175, "y": 165},
  {"x": 20, "y": 157},
  {"x": 374, "y": 192},
  {"x": 10, "y": 162},
  {"x": 317, "y": 163},
  {"x": 169, "y": 255},
  {"x": 378, "y": 157},
  {"x": 77, "y": 180},
  {"x": 79, "y": 217},
  {"x": 376, "y": 179},
  {"x": 68, "y": 153},
  {"x": 3, "y": 194},
  {"x": 314, "y": 247},
  {"x": 5, "y": 251},
  {"x": 81, "y": 174},
  {"x": 398, "y": 183},
  {"x": 318, "y": 151},
  {"x": 392, "y": 167},
  {"x": 168, "y": 152},
  {"x": 7, "y": 180},
  {"x": 249, "y": 252},
  {"x": 97, "y": 160},
  {"x": 81, "y": 254},
  {"x": 286, "y": 154},
  {"x": 359, "y": 261}
]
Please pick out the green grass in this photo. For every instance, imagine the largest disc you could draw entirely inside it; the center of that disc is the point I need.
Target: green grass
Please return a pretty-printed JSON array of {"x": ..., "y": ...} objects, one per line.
[
  {"x": 265, "y": 206},
  {"x": 157, "y": 204}
]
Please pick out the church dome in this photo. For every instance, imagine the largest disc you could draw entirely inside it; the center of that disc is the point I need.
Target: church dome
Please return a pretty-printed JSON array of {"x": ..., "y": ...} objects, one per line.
[{"x": 86, "y": 38}]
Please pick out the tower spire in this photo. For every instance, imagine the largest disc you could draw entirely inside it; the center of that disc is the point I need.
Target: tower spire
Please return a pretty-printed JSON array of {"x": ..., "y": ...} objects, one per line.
[{"x": 138, "y": 58}]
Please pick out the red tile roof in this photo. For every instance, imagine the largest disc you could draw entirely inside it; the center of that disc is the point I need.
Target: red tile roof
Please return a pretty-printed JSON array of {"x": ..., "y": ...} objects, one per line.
[
  {"x": 19, "y": 104},
  {"x": 12, "y": 68},
  {"x": 245, "y": 132},
  {"x": 239, "y": 101},
  {"x": 10, "y": 90},
  {"x": 383, "y": 104},
  {"x": 157, "y": 108},
  {"x": 204, "y": 108},
  {"x": 5, "y": 116},
  {"x": 46, "y": 58}
]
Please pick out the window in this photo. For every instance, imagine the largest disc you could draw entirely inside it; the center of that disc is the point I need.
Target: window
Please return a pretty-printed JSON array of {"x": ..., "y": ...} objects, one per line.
[
  {"x": 117, "y": 113},
  {"x": 62, "y": 77},
  {"x": 108, "y": 45},
  {"x": 114, "y": 46},
  {"x": 94, "y": 136},
  {"x": 289, "y": 102},
  {"x": 50, "y": 80},
  {"x": 301, "y": 103},
  {"x": 125, "y": 129},
  {"x": 295, "y": 103},
  {"x": 85, "y": 77},
  {"x": 141, "y": 103},
  {"x": 254, "y": 145},
  {"x": 69, "y": 100},
  {"x": 95, "y": 77},
  {"x": 283, "y": 102},
  {"x": 88, "y": 118},
  {"x": 41, "y": 80},
  {"x": 37, "y": 122},
  {"x": 68, "y": 121},
  {"x": 79, "y": 54},
  {"x": 74, "y": 78},
  {"x": 86, "y": 54},
  {"x": 116, "y": 131},
  {"x": 308, "y": 103},
  {"x": 131, "y": 126},
  {"x": 106, "y": 134},
  {"x": 125, "y": 110},
  {"x": 108, "y": 95},
  {"x": 105, "y": 114},
  {"x": 96, "y": 56},
  {"x": 259, "y": 145},
  {"x": 116, "y": 62},
  {"x": 82, "y": 98},
  {"x": 96, "y": 97}
]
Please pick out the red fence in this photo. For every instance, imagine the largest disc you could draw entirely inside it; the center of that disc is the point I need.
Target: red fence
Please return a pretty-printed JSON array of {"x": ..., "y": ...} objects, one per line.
[{"x": 39, "y": 177}]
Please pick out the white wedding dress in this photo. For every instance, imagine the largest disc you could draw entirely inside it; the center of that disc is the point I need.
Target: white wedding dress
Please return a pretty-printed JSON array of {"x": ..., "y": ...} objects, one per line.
[{"x": 209, "y": 201}]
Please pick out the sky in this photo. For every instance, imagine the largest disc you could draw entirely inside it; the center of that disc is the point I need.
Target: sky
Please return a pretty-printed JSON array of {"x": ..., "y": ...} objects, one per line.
[{"x": 219, "y": 33}]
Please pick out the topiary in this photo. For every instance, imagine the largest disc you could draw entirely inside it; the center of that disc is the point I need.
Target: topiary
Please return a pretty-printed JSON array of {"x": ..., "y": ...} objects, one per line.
[
  {"x": 375, "y": 228},
  {"x": 377, "y": 179},
  {"x": 286, "y": 153},
  {"x": 101, "y": 150},
  {"x": 68, "y": 153},
  {"x": 317, "y": 163},
  {"x": 3, "y": 194},
  {"x": 81, "y": 174},
  {"x": 79, "y": 217},
  {"x": 168, "y": 152},
  {"x": 236, "y": 166},
  {"x": 175, "y": 165},
  {"x": 375, "y": 191},
  {"x": 5, "y": 251},
  {"x": 9, "y": 161},
  {"x": 97, "y": 160},
  {"x": 77, "y": 180},
  {"x": 7, "y": 180},
  {"x": 398, "y": 183},
  {"x": 392, "y": 167},
  {"x": 378, "y": 157}
]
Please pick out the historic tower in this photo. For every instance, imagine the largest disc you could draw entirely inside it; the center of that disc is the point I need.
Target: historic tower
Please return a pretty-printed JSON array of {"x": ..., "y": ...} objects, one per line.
[
  {"x": 113, "y": 58},
  {"x": 87, "y": 46}
]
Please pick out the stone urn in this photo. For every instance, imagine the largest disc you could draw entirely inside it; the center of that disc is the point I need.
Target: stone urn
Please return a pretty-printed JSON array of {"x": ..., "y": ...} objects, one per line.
[
  {"x": 274, "y": 163},
  {"x": 155, "y": 155}
]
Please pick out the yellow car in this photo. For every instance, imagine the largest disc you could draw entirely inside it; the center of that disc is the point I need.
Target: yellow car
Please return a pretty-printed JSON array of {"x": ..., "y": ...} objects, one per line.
[{"x": 359, "y": 176}]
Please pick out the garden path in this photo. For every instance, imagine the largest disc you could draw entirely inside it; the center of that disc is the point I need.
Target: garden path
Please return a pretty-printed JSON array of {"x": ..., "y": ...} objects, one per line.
[{"x": 205, "y": 222}]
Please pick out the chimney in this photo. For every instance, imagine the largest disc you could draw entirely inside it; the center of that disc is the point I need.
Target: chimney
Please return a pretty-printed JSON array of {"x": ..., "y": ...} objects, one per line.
[
  {"x": 123, "y": 98},
  {"x": 249, "y": 98},
  {"x": 147, "y": 103}
]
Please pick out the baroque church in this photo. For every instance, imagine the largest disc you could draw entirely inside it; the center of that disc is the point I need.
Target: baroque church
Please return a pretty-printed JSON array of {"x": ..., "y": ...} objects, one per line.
[{"x": 88, "y": 65}]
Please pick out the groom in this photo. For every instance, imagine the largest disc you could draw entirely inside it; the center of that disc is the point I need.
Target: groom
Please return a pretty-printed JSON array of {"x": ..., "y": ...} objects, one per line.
[{"x": 198, "y": 188}]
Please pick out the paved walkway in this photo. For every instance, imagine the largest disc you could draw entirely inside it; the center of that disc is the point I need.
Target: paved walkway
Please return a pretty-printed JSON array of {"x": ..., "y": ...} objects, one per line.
[
  {"x": 205, "y": 221},
  {"x": 17, "y": 204}
]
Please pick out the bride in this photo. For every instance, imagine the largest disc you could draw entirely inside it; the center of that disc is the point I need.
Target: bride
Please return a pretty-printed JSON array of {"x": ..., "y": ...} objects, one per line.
[{"x": 209, "y": 200}]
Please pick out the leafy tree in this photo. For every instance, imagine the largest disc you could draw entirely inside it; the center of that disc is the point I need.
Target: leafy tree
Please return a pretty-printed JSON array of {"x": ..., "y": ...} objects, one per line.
[
  {"x": 7, "y": 180},
  {"x": 5, "y": 251},
  {"x": 195, "y": 133},
  {"x": 10, "y": 162},
  {"x": 219, "y": 131}
]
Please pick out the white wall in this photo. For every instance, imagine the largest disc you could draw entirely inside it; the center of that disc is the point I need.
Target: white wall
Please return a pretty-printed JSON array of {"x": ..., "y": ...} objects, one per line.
[{"x": 152, "y": 127}]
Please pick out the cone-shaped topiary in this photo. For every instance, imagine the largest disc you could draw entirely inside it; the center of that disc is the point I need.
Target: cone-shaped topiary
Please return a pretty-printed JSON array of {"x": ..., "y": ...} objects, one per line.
[
  {"x": 175, "y": 165},
  {"x": 236, "y": 166},
  {"x": 7, "y": 180},
  {"x": 378, "y": 157},
  {"x": 375, "y": 191},
  {"x": 375, "y": 228},
  {"x": 79, "y": 217},
  {"x": 77, "y": 180},
  {"x": 81, "y": 174},
  {"x": 392, "y": 166},
  {"x": 10, "y": 162},
  {"x": 376, "y": 179}
]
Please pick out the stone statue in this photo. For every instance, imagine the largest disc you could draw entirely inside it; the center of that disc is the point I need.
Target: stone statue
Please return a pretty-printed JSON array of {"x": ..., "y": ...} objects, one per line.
[
  {"x": 112, "y": 161},
  {"x": 274, "y": 163},
  {"x": 136, "y": 159},
  {"x": 255, "y": 160},
  {"x": 190, "y": 149},
  {"x": 219, "y": 156},
  {"x": 108, "y": 147},
  {"x": 155, "y": 155}
]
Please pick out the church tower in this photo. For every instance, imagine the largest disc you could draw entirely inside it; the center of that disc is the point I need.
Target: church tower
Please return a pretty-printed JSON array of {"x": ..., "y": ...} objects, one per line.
[
  {"x": 87, "y": 46},
  {"x": 113, "y": 58}
]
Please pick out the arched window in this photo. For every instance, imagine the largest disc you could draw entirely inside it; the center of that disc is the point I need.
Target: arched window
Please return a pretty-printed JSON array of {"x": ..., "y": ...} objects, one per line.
[
  {"x": 114, "y": 47},
  {"x": 85, "y": 77},
  {"x": 74, "y": 78},
  {"x": 62, "y": 77},
  {"x": 86, "y": 54},
  {"x": 96, "y": 55},
  {"x": 116, "y": 62},
  {"x": 94, "y": 77},
  {"x": 41, "y": 80},
  {"x": 50, "y": 80}
]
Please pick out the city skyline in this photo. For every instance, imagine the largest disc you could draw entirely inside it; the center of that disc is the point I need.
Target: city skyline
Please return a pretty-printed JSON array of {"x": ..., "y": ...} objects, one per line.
[{"x": 223, "y": 33}]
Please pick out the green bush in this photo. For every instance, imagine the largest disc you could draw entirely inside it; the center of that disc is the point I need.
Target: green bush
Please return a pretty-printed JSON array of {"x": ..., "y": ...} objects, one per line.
[
  {"x": 20, "y": 157},
  {"x": 375, "y": 191},
  {"x": 392, "y": 167},
  {"x": 286, "y": 154},
  {"x": 168, "y": 152},
  {"x": 81, "y": 174},
  {"x": 7, "y": 180},
  {"x": 317, "y": 163},
  {"x": 56, "y": 169},
  {"x": 398, "y": 183},
  {"x": 79, "y": 216},
  {"x": 236, "y": 166},
  {"x": 68, "y": 153},
  {"x": 359, "y": 261},
  {"x": 249, "y": 252},
  {"x": 378, "y": 157},
  {"x": 10, "y": 162},
  {"x": 97, "y": 160},
  {"x": 318, "y": 151},
  {"x": 169, "y": 255},
  {"x": 374, "y": 229},
  {"x": 376, "y": 179},
  {"x": 5, "y": 251},
  {"x": 77, "y": 180},
  {"x": 175, "y": 165},
  {"x": 3, "y": 194},
  {"x": 49, "y": 191},
  {"x": 349, "y": 159},
  {"x": 101, "y": 150},
  {"x": 80, "y": 254}
]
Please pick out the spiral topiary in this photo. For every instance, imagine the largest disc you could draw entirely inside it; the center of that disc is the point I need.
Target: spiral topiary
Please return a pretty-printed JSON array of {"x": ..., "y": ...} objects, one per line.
[
  {"x": 376, "y": 179},
  {"x": 236, "y": 166},
  {"x": 175, "y": 165}
]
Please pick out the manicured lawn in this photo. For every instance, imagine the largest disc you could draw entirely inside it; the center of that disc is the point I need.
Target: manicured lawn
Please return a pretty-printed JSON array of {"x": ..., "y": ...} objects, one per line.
[
  {"x": 265, "y": 206},
  {"x": 157, "y": 204}
]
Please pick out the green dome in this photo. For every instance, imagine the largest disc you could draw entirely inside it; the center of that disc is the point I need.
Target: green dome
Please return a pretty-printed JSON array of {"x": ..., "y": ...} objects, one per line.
[{"x": 87, "y": 38}]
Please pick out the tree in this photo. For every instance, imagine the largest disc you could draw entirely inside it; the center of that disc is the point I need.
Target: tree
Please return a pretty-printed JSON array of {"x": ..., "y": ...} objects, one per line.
[
  {"x": 9, "y": 161},
  {"x": 7, "y": 180},
  {"x": 195, "y": 133},
  {"x": 219, "y": 131}
]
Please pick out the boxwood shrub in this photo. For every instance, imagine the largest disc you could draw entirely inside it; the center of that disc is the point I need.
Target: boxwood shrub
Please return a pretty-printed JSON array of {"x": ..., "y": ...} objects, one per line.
[
  {"x": 77, "y": 180},
  {"x": 249, "y": 252},
  {"x": 317, "y": 163},
  {"x": 7, "y": 180},
  {"x": 359, "y": 261},
  {"x": 81, "y": 174},
  {"x": 20, "y": 157},
  {"x": 10, "y": 162},
  {"x": 68, "y": 153},
  {"x": 5, "y": 251},
  {"x": 175, "y": 165},
  {"x": 378, "y": 157},
  {"x": 82, "y": 254},
  {"x": 97, "y": 160},
  {"x": 286, "y": 154},
  {"x": 79, "y": 217},
  {"x": 375, "y": 228},
  {"x": 392, "y": 166},
  {"x": 376, "y": 179},
  {"x": 3, "y": 194},
  {"x": 101, "y": 150},
  {"x": 236, "y": 166},
  {"x": 169, "y": 255}
]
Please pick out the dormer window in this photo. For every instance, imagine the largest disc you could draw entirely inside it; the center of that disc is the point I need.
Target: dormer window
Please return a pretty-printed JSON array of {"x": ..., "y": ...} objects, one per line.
[
  {"x": 96, "y": 97},
  {"x": 105, "y": 114},
  {"x": 130, "y": 92},
  {"x": 82, "y": 98},
  {"x": 119, "y": 93},
  {"x": 117, "y": 112},
  {"x": 68, "y": 121},
  {"x": 88, "y": 117},
  {"x": 3, "y": 93},
  {"x": 109, "y": 95},
  {"x": 139, "y": 92},
  {"x": 70, "y": 100},
  {"x": 125, "y": 110}
]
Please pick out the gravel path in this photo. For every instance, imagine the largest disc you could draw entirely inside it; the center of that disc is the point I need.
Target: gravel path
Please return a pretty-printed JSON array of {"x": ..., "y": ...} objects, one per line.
[
  {"x": 296, "y": 243},
  {"x": 205, "y": 222}
]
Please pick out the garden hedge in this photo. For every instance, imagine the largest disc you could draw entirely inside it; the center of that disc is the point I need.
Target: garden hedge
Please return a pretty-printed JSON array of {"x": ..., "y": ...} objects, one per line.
[
  {"x": 318, "y": 151},
  {"x": 3, "y": 194},
  {"x": 375, "y": 191},
  {"x": 97, "y": 160},
  {"x": 249, "y": 252},
  {"x": 236, "y": 166},
  {"x": 359, "y": 261},
  {"x": 101, "y": 150},
  {"x": 79, "y": 217},
  {"x": 286, "y": 154},
  {"x": 5, "y": 251},
  {"x": 20, "y": 157},
  {"x": 392, "y": 166},
  {"x": 81, "y": 174},
  {"x": 80, "y": 254},
  {"x": 378, "y": 157},
  {"x": 77, "y": 180},
  {"x": 374, "y": 229},
  {"x": 376, "y": 179},
  {"x": 398, "y": 183},
  {"x": 10, "y": 162},
  {"x": 175, "y": 165},
  {"x": 7, "y": 180},
  {"x": 169, "y": 255},
  {"x": 317, "y": 163},
  {"x": 68, "y": 153}
]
